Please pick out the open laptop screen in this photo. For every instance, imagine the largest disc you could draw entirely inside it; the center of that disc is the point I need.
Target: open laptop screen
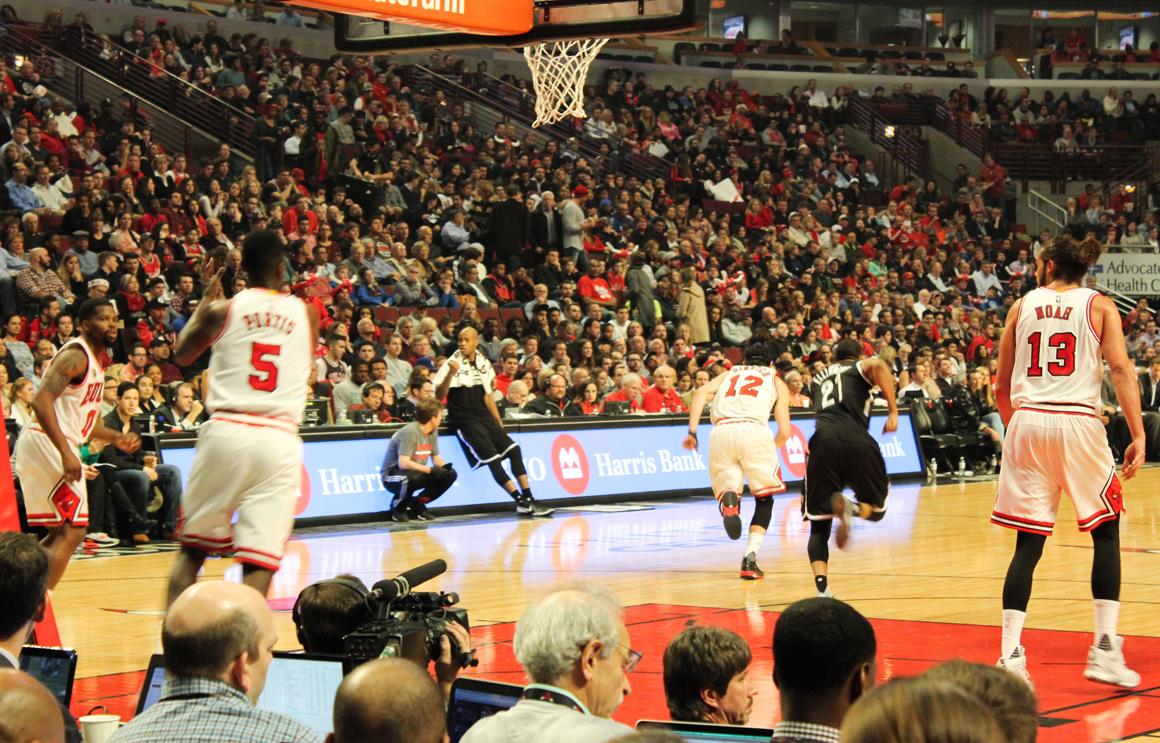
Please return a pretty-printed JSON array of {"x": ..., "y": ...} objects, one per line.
[
  {"x": 54, "y": 667},
  {"x": 474, "y": 699}
]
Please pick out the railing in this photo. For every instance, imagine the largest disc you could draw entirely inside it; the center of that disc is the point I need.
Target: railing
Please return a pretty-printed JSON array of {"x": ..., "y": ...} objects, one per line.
[
  {"x": 1044, "y": 207},
  {"x": 168, "y": 92},
  {"x": 909, "y": 153},
  {"x": 975, "y": 140},
  {"x": 910, "y": 111},
  {"x": 64, "y": 77}
]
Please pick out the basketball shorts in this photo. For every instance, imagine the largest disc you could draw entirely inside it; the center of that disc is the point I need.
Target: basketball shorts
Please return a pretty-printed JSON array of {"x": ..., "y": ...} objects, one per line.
[
  {"x": 740, "y": 451},
  {"x": 840, "y": 460},
  {"x": 48, "y": 499},
  {"x": 253, "y": 471},
  {"x": 483, "y": 439},
  {"x": 1046, "y": 454}
]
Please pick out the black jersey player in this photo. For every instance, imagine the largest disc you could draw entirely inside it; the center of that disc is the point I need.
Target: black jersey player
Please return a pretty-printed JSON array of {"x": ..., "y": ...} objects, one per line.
[{"x": 843, "y": 454}]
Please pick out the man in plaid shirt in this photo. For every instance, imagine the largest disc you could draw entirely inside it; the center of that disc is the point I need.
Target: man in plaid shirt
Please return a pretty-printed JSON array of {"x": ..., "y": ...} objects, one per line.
[
  {"x": 218, "y": 640},
  {"x": 39, "y": 280}
]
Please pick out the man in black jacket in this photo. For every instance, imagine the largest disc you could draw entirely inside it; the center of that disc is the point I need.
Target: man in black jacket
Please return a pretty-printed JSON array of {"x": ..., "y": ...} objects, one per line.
[
  {"x": 139, "y": 472},
  {"x": 509, "y": 228},
  {"x": 552, "y": 402},
  {"x": 547, "y": 225},
  {"x": 549, "y": 273}
]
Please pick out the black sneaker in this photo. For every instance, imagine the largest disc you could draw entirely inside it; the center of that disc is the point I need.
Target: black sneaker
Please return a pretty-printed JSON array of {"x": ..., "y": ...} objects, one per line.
[
  {"x": 419, "y": 513},
  {"x": 531, "y": 508},
  {"x": 749, "y": 569},
  {"x": 399, "y": 514},
  {"x": 730, "y": 508}
]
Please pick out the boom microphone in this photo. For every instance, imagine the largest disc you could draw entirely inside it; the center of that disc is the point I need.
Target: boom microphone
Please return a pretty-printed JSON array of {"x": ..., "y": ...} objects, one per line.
[{"x": 392, "y": 588}]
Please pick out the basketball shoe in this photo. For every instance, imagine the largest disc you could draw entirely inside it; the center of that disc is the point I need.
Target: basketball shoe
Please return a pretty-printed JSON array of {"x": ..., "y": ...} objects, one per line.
[
  {"x": 1017, "y": 664},
  {"x": 1105, "y": 664},
  {"x": 730, "y": 507},
  {"x": 826, "y": 594},
  {"x": 749, "y": 569}
]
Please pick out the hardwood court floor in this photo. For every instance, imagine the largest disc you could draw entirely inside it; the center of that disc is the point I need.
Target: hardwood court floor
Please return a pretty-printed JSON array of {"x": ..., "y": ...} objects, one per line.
[{"x": 929, "y": 575}]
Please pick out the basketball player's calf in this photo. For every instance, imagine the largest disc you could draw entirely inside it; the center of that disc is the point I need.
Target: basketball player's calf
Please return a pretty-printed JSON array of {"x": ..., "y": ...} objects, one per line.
[{"x": 189, "y": 562}]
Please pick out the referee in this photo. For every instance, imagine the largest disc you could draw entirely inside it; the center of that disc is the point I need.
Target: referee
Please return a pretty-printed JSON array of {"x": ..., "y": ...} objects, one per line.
[{"x": 466, "y": 381}]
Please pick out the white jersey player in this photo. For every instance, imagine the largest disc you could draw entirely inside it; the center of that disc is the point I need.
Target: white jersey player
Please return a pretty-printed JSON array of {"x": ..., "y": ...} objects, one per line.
[
  {"x": 741, "y": 445},
  {"x": 68, "y": 413},
  {"x": 249, "y": 455},
  {"x": 1048, "y": 392}
]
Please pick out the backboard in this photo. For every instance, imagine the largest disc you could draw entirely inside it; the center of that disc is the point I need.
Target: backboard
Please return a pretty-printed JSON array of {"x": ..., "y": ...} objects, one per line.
[{"x": 461, "y": 24}]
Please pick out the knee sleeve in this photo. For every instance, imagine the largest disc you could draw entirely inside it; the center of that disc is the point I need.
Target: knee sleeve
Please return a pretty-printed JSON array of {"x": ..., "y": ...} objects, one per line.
[
  {"x": 818, "y": 548},
  {"x": 1017, "y": 586},
  {"x": 516, "y": 457},
  {"x": 876, "y": 516},
  {"x": 1106, "y": 561},
  {"x": 498, "y": 472},
  {"x": 763, "y": 512}
]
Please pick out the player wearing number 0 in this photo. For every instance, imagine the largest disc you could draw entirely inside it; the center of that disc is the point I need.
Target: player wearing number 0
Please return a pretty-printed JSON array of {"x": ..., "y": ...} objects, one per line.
[
  {"x": 741, "y": 446},
  {"x": 249, "y": 455},
  {"x": 68, "y": 413},
  {"x": 843, "y": 454},
  {"x": 1048, "y": 393}
]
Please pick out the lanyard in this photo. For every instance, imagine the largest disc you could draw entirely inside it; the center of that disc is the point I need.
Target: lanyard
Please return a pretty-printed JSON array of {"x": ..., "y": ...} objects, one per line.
[
  {"x": 185, "y": 697},
  {"x": 547, "y": 695}
]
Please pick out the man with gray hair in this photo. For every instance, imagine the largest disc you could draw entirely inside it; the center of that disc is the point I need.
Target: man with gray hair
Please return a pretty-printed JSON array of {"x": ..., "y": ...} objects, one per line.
[
  {"x": 631, "y": 388},
  {"x": 575, "y": 650}
]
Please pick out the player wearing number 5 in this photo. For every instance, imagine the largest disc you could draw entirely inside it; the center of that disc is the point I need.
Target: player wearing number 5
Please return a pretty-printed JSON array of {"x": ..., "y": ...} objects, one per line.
[
  {"x": 68, "y": 413},
  {"x": 249, "y": 455},
  {"x": 741, "y": 446},
  {"x": 843, "y": 454},
  {"x": 1049, "y": 393}
]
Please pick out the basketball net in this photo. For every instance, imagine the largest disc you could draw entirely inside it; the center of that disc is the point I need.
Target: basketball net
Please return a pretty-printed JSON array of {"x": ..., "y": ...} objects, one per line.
[{"x": 559, "y": 70}]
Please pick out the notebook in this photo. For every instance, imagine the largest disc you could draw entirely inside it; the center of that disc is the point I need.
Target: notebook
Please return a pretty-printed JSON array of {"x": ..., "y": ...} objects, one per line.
[
  {"x": 699, "y": 732},
  {"x": 473, "y": 699},
  {"x": 56, "y": 668},
  {"x": 299, "y": 685}
]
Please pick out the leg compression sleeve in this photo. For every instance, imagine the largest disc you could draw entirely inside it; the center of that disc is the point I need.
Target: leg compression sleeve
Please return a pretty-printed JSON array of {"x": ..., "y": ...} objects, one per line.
[
  {"x": 499, "y": 473},
  {"x": 762, "y": 512},
  {"x": 1017, "y": 586},
  {"x": 819, "y": 544},
  {"x": 516, "y": 457},
  {"x": 1106, "y": 561}
]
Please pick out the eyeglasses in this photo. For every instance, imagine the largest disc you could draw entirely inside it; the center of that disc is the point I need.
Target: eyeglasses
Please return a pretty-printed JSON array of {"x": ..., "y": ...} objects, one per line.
[{"x": 632, "y": 660}]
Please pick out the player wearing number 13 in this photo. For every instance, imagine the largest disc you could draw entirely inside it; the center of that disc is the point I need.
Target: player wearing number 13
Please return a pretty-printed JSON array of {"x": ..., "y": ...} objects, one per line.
[
  {"x": 68, "y": 412},
  {"x": 1048, "y": 393},
  {"x": 741, "y": 445},
  {"x": 249, "y": 455}
]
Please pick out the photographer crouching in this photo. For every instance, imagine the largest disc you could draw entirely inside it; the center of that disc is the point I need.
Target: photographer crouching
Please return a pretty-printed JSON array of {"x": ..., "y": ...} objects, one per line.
[
  {"x": 329, "y": 610},
  {"x": 412, "y": 469}
]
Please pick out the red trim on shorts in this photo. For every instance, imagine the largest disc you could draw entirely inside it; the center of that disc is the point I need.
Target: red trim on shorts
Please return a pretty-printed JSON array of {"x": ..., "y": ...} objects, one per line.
[
  {"x": 255, "y": 425},
  {"x": 727, "y": 421},
  {"x": 1098, "y": 519},
  {"x": 260, "y": 563},
  {"x": 276, "y": 558},
  {"x": 767, "y": 491},
  {"x": 1057, "y": 412},
  {"x": 1028, "y": 529},
  {"x": 55, "y": 520},
  {"x": 211, "y": 540},
  {"x": 254, "y": 415},
  {"x": 188, "y": 542},
  {"x": 1029, "y": 522}
]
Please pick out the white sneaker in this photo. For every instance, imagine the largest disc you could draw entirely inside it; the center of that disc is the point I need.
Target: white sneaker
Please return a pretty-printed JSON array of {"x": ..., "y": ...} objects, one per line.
[
  {"x": 102, "y": 539},
  {"x": 1107, "y": 666},
  {"x": 826, "y": 594},
  {"x": 1016, "y": 663},
  {"x": 843, "y": 514}
]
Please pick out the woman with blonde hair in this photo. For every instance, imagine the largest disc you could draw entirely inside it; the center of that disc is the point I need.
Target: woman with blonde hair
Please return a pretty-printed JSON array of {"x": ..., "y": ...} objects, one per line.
[{"x": 20, "y": 402}]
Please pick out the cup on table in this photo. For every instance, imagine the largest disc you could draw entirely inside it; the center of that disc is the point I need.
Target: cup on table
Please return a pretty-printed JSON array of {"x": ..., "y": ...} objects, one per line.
[{"x": 98, "y": 728}]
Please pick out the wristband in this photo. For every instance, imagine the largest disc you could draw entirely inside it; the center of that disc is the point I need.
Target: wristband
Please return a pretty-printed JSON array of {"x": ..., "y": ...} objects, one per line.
[{"x": 693, "y": 434}]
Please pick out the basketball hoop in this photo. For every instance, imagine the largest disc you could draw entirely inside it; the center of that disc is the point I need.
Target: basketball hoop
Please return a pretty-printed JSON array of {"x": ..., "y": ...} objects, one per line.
[{"x": 559, "y": 70}]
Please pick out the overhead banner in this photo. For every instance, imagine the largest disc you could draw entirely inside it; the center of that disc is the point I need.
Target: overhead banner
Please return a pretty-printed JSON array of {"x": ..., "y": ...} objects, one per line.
[
  {"x": 341, "y": 478},
  {"x": 1134, "y": 274}
]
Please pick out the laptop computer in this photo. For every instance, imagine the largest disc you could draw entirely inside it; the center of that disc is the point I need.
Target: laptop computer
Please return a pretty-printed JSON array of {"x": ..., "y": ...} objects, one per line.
[
  {"x": 700, "y": 732},
  {"x": 298, "y": 685},
  {"x": 617, "y": 407},
  {"x": 474, "y": 699},
  {"x": 362, "y": 417},
  {"x": 56, "y": 668},
  {"x": 317, "y": 412}
]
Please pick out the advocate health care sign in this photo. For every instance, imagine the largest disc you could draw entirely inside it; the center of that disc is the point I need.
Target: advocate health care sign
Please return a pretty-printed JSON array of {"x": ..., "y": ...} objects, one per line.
[
  {"x": 342, "y": 477},
  {"x": 1134, "y": 274}
]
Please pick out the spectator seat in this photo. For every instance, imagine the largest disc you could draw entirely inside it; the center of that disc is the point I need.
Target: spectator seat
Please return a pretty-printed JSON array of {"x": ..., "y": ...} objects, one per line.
[
  {"x": 823, "y": 68},
  {"x": 935, "y": 56},
  {"x": 755, "y": 66},
  {"x": 800, "y": 68},
  {"x": 734, "y": 355},
  {"x": 1068, "y": 76},
  {"x": 712, "y": 64},
  {"x": 779, "y": 67}
]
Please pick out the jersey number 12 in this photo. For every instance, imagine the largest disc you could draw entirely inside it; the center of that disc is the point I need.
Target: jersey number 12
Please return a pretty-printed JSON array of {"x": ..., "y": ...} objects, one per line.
[
  {"x": 266, "y": 380},
  {"x": 750, "y": 388}
]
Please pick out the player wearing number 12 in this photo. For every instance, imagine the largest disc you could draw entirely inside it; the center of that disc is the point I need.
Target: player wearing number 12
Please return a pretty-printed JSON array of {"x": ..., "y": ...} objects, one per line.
[
  {"x": 741, "y": 446},
  {"x": 1048, "y": 393},
  {"x": 249, "y": 455}
]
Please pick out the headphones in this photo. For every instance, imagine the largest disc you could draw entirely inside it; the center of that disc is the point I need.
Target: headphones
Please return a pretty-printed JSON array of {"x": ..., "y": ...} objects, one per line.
[{"x": 296, "y": 612}]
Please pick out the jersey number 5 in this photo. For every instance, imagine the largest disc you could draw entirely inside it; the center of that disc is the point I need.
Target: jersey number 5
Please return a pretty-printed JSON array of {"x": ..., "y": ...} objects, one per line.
[
  {"x": 752, "y": 384},
  {"x": 267, "y": 379},
  {"x": 1064, "y": 364}
]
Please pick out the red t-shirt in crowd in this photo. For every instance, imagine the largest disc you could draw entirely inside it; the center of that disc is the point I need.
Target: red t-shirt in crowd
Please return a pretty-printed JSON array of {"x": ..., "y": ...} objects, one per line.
[
  {"x": 595, "y": 289},
  {"x": 656, "y": 401},
  {"x": 618, "y": 396}
]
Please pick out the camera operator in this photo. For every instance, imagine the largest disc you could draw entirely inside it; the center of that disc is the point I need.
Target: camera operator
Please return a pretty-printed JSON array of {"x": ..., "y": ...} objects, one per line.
[
  {"x": 413, "y": 464},
  {"x": 330, "y": 610}
]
